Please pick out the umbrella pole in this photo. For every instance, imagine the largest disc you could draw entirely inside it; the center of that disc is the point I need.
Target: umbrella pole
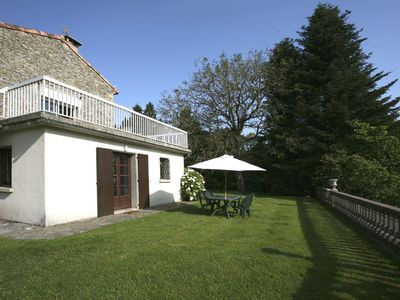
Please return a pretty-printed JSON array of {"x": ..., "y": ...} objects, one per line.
[{"x": 226, "y": 182}]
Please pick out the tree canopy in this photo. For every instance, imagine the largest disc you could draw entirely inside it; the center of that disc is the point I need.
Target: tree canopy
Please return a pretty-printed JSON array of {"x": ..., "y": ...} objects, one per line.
[
  {"x": 298, "y": 111},
  {"x": 225, "y": 95},
  {"x": 367, "y": 164},
  {"x": 317, "y": 85},
  {"x": 224, "y": 98}
]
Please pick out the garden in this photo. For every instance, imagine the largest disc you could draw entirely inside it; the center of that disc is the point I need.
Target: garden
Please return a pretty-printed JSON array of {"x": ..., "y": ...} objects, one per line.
[{"x": 289, "y": 248}]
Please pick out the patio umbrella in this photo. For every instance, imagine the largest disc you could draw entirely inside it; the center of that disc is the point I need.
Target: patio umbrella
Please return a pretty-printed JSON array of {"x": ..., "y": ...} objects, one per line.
[{"x": 226, "y": 163}]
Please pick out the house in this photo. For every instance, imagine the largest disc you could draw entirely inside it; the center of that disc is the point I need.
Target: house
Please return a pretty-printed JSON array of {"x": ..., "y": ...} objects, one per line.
[{"x": 67, "y": 151}]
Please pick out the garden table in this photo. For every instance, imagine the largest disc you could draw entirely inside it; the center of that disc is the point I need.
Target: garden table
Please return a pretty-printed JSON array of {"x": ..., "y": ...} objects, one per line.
[{"x": 223, "y": 203}]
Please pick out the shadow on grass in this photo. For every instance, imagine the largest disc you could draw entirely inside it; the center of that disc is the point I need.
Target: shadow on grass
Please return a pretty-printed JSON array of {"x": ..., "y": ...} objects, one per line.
[
  {"x": 195, "y": 209},
  {"x": 283, "y": 253},
  {"x": 345, "y": 262},
  {"x": 192, "y": 209}
]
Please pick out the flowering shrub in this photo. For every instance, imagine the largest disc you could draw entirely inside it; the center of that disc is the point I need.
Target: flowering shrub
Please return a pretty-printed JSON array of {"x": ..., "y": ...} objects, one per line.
[{"x": 192, "y": 185}]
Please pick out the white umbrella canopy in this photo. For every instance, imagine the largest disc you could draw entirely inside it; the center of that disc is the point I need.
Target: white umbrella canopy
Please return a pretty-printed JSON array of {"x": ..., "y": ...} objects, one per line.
[{"x": 226, "y": 163}]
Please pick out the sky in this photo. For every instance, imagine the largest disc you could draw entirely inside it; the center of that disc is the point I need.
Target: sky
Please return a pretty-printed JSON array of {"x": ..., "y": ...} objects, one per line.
[{"x": 147, "y": 47}]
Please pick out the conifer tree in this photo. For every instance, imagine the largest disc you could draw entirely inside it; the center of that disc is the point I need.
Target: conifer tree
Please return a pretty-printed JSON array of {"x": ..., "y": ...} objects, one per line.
[
  {"x": 316, "y": 88},
  {"x": 337, "y": 81},
  {"x": 284, "y": 107},
  {"x": 150, "y": 111},
  {"x": 138, "y": 108}
]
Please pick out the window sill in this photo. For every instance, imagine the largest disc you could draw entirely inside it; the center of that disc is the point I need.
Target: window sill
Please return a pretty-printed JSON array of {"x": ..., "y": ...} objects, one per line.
[
  {"x": 4, "y": 189},
  {"x": 165, "y": 180}
]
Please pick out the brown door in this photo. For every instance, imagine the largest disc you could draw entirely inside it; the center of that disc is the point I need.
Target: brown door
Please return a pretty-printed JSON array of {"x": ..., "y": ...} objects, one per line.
[
  {"x": 143, "y": 178},
  {"x": 121, "y": 164},
  {"x": 105, "y": 204}
]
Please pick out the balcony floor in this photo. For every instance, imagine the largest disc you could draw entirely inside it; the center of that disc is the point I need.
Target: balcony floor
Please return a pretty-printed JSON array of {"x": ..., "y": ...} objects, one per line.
[{"x": 291, "y": 248}]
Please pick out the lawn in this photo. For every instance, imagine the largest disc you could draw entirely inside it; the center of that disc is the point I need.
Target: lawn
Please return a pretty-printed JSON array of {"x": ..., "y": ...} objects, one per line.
[{"x": 289, "y": 248}]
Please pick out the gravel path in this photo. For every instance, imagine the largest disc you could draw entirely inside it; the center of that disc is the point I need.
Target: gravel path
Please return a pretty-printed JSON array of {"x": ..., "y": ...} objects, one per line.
[{"x": 22, "y": 231}]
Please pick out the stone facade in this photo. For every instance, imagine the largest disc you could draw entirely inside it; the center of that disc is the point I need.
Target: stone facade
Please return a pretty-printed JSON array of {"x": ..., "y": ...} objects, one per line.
[{"x": 24, "y": 55}]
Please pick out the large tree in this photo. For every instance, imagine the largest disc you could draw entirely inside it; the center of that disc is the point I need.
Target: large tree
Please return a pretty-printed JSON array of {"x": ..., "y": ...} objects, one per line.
[
  {"x": 226, "y": 97},
  {"x": 317, "y": 86},
  {"x": 283, "y": 138}
]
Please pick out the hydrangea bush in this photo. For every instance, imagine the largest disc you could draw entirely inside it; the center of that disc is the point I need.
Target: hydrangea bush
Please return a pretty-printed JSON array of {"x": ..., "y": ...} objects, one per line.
[{"x": 192, "y": 185}]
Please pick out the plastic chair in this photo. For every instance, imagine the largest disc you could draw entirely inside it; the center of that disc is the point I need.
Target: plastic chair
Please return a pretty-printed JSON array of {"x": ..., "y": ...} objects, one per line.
[
  {"x": 205, "y": 200},
  {"x": 245, "y": 205}
]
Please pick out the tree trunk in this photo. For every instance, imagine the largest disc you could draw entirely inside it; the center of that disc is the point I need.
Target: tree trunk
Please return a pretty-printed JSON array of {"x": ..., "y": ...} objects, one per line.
[{"x": 240, "y": 182}]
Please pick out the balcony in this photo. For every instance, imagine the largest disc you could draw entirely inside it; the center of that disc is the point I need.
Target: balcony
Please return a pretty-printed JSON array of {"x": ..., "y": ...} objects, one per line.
[{"x": 44, "y": 94}]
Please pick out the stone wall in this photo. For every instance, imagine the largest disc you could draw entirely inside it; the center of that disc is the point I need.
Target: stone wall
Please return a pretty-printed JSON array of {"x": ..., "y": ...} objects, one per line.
[{"x": 24, "y": 56}]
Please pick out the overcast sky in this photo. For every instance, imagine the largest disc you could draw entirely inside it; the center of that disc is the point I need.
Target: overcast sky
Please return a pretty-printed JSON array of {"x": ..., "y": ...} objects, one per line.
[{"x": 146, "y": 47}]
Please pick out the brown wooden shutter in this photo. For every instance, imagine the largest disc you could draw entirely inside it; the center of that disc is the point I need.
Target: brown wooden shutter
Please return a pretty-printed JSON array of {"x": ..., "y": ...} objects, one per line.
[
  {"x": 143, "y": 178},
  {"x": 105, "y": 195}
]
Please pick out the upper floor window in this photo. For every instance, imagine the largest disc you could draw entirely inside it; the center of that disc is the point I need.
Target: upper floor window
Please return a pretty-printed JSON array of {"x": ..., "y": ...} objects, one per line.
[
  {"x": 5, "y": 167},
  {"x": 164, "y": 169}
]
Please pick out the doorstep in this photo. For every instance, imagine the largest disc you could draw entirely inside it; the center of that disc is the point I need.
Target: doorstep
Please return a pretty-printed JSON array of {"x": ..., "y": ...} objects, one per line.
[{"x": 124, "y": 211}]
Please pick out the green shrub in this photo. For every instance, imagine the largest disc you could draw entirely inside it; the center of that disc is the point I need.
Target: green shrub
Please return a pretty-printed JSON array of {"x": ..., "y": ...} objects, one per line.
[
  {"x": 192, "y": 185},
  {"x": 368, "y": 166}
]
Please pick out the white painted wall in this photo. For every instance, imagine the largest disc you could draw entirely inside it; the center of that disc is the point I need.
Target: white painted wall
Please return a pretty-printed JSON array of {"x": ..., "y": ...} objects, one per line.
[
  {"x": 162, "y": 192},
  {"x": 70, "y": 175},
  {"x": 26, "y": 202},
  {"x": 54, "y": 176}
]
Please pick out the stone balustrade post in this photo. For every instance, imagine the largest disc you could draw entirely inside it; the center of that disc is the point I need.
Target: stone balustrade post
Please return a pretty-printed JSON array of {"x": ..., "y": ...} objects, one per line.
[{"x": 333, "y": 186}]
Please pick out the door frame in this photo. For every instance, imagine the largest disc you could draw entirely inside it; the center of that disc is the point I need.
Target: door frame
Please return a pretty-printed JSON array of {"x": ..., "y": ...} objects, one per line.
[
  {"x": 105, "y": 195},
  {"x": 118, "y": 177}
]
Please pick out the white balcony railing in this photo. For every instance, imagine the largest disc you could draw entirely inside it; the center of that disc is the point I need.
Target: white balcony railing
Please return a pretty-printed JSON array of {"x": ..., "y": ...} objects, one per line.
[{"x": 49, "y": 95}]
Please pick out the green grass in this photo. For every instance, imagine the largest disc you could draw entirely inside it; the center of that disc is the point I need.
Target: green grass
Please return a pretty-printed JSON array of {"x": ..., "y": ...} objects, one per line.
[{"x": 289, "y": 248}]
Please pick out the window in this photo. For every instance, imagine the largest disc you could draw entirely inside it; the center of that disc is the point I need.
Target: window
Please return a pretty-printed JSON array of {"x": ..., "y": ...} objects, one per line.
[
  {"x": 164, "y": 169},
  {"x": 5, "y": 167}
]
